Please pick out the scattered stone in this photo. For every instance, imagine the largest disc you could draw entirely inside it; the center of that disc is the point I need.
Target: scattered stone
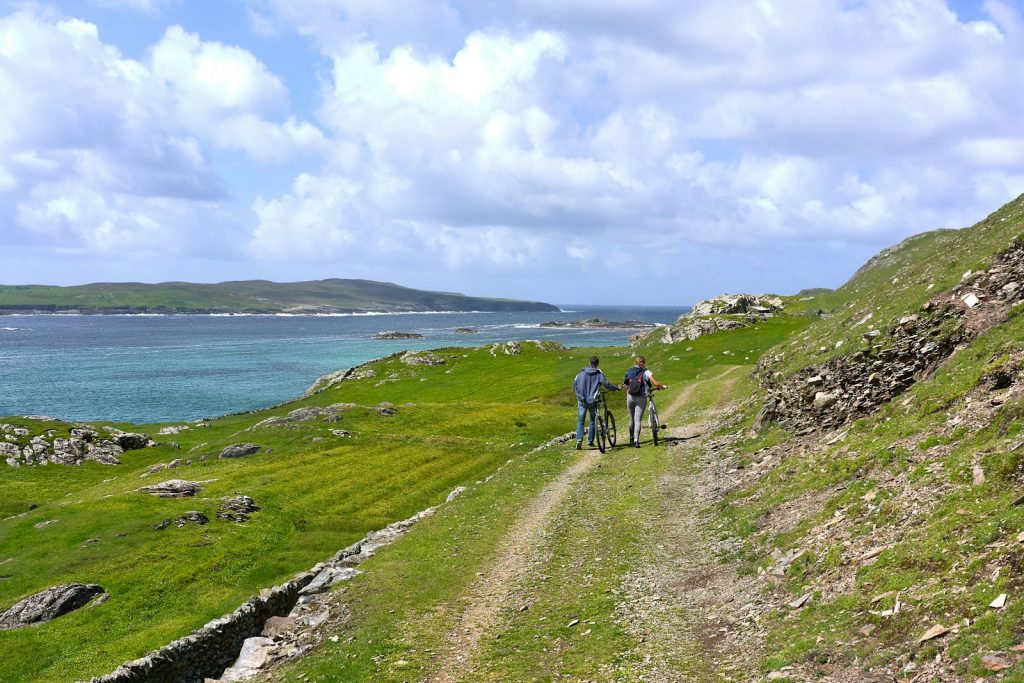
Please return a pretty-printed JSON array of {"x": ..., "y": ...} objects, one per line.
[
  {"x": 971, "y": 300},
  {"x": 43, "y": 525},
  {"x": 978, "y": 474},
  {"x": 867, "y": 629},
  {"x": 934, "y": 632},
  {"x": 172, "y": 429},
  {"x": 801, "y": 601},
  {"x": 339, "y": 432},
  {"x": 239, "y": 450},
  {"x": 237, "y": 508},
  {"x": 511, "y": 348},
  {"x": 173, "y": 488},
  {"x": 999, "y": 602},
  {"x": 49, "y": 604},
  {"x": 823, "y": 399},
  {"x": 996, "y": 662},
  {"x": 572, "y": 623},
  {"x": 276, "y": 627},
  {"x": 190, "y": 517}
]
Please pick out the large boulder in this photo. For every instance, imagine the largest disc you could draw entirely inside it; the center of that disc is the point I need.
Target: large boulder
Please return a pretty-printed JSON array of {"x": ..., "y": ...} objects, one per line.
[
  {"x": 239, "y": 449},
  {"x": 394, "y": 334},
  {"x": 237, "y": 508},
  {"x": 173, "y": 488},
  {"x": 49, "y": 604},
  {"x": 68, "y": 451}
]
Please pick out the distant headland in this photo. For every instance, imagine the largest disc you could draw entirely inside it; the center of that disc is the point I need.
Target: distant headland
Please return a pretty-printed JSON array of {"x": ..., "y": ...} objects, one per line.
[{"x": 317, "y": 297}]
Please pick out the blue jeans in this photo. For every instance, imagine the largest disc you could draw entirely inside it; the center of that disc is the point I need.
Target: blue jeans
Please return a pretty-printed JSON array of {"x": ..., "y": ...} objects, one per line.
[{"x": 581, "y": 410}]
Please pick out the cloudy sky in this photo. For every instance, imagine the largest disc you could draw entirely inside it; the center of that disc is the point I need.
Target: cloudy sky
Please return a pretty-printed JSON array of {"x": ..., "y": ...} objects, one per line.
[{"x": 579, "y": 151}]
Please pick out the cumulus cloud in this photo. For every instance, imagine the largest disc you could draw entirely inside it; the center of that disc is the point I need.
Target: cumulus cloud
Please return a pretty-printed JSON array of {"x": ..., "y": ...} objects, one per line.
[
  {"x": 103, "y": 153},
  {"x": 529, "y": 137}
]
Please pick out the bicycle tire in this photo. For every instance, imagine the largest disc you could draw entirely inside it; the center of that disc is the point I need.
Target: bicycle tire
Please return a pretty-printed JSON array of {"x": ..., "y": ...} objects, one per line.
[
  {"x": 613, "y": 435},
  {"x": 653, "y": 417},
  {"x": 601, "y": 443}
]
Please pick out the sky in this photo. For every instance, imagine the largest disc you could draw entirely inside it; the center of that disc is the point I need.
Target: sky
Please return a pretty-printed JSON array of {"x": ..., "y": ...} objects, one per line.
[{"x": 581, "y": 151}]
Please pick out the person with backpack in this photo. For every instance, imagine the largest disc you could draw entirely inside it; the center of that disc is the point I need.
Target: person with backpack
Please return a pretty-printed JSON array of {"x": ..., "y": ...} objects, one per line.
[
  {"x": 638, "y": 383},
  {"x": 587, "y": 386}
]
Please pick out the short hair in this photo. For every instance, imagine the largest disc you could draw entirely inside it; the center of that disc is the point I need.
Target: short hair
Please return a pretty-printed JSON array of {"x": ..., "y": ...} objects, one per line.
[
  {"x": 641, "y": 359},
  {"x": 594, "y": 361}
]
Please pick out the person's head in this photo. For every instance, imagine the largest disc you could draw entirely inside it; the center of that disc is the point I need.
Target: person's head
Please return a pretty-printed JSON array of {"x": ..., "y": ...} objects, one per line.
[
  {"x": 641, "y": 361},
  {"x": 594, "y": 361}
]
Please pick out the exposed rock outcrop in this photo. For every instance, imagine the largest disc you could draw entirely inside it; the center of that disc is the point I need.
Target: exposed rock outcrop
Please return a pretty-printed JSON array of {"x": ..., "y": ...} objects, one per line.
[
  {"x": 394, "y": 334},
  {"x": 49, "y": 604},
  {"x": 725, "y": 312},
  {"x": 239, "y": 450},
  {"x": 173, "y": 488},
  {"x": 190, "y": 517},
  {"x": 597, "y": 324},
  {"x": 847, "y": 387},
  {"x": 237, "y": 508},
  {"x": 333, "y": 378},
  {"x": 421, "y": 358}
]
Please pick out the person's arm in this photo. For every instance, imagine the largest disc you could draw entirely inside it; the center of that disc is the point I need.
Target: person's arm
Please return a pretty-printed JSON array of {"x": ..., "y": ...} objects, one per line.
[
  {"x": 655, "y": 383},
  {"x": 607, "y": 384}
]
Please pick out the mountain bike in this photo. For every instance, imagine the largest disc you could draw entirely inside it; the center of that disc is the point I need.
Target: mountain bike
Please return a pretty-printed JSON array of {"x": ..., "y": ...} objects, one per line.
[
  {"x": 652, "y": 415},
  {"x": 606, "y": 433}
]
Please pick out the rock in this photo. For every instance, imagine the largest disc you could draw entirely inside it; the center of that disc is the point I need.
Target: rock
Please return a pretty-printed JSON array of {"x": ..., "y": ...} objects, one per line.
[
  {"x": 172, "y": 429},
  {"x": 999, "y": 602},
  {"x": 10, "y": 453},
  {"x": 801, "y": 601},
  {"x": 465, "y": 330},
  {"x": 996, "y": 662},
  {"x": 971, "y": 301},
  {"x": 237, "y": 508},
  {"x": 934, "y": 632},
  {"x": 131, "y": 441},
  {"x": 84, "y": 433},
  {"x": 43, "y": 525},
  {"x": 49, "y": 604},
  {"x": 239, "y": 450},
  {"x": 104, "y": 452},
  {"x": 824, "y": 399},
  {"x": 177, "y": 462},
  {"x": 278, "y": 626},
  {"x": 597, "y": 324},
  {"x": 173, "y": 488},
  {"x": 256, "y": 653},
  {"x": 394, "y": 334},
  {"x": 339, "y": 432},
  {"x": 190, "y": 517},
  {"x": 421, "y": 358},
  {"x": 456, "y": 492},
  {"x": 511, "y": 348}
]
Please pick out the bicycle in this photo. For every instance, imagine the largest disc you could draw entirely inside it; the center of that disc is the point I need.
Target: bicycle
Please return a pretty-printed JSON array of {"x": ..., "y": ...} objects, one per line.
[
  {"x": 652, "y": 415},
  {"x": 606, "y": 432}
]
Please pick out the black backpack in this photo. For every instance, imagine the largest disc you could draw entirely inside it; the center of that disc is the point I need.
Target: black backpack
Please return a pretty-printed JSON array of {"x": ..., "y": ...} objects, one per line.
[{"x": 635, "y": 383}]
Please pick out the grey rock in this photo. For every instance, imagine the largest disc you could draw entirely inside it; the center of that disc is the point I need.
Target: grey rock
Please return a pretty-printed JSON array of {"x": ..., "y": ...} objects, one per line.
[
  {"x": 68, "y": 451},
  {"x": 394, "y": 334},
  {"x": 173, "y": 488},
  {"x": 257, "y": 652},
  {"x": 49, "y": 604},
  {"x": 278, "y": 626},
  {"x": 239, "y": 450},
  {"x": 824, "y": 399},
  {"x": 421, "y": 358},
  {"x": 104, "y": 452},
  {"x": 190, "y": 517},
  {"x": 237, "y": 508}
]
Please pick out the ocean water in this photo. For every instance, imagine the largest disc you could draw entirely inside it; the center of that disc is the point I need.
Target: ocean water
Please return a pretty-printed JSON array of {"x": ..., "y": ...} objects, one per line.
[{"x": 160, "y": 368}]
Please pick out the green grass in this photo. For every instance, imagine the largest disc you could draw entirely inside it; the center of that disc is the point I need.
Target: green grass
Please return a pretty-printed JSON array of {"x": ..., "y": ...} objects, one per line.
[{"x": 251, "y": 296}]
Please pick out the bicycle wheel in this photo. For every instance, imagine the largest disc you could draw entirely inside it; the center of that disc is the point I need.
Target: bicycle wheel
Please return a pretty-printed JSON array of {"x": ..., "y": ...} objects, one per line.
[
  {"x": 601, "y": 435},
  {"x": 609, "y": 420},
  {"x": 655, "y": 425}
]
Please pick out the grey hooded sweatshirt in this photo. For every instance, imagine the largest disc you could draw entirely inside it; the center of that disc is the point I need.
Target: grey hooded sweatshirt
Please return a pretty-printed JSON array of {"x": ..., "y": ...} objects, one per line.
[{"x": 587, "y": 384}]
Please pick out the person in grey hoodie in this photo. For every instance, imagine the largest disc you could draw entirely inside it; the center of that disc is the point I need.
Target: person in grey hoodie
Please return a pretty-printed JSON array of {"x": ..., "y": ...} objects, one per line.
[{"x": 587, "y": 386}]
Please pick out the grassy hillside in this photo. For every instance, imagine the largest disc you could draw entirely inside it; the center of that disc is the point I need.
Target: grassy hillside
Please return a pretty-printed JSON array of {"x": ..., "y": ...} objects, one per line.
[
  {"x": 736, "y": 553},
  {"x": 252, "y": 296}
]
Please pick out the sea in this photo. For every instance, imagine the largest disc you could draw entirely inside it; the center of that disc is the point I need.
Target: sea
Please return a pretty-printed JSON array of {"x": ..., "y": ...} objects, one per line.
[{"x": 159, "y": 368}]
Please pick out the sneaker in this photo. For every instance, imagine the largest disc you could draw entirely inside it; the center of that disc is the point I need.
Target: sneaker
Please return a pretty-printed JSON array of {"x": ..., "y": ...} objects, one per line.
[
  {"x": 590, "y": 444},
  {"x": 636, "y": 444},
  {"x": 579, "y": 445}
]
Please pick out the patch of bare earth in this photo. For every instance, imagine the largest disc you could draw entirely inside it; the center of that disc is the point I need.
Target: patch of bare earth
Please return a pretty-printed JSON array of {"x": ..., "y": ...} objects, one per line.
[{"x": 498, "y": 587}]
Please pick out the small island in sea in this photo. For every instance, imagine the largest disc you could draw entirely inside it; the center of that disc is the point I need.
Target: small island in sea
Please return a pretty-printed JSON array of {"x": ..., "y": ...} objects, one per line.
[{"x": 317, "y": 297}]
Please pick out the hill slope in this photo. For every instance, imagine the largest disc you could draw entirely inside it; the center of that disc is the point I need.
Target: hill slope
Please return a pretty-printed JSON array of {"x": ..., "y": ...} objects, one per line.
[{"x": 250, "y": 296}]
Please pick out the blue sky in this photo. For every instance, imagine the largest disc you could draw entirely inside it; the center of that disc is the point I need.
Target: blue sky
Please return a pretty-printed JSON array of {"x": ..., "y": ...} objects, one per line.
[{"x": 598, "y": 151}]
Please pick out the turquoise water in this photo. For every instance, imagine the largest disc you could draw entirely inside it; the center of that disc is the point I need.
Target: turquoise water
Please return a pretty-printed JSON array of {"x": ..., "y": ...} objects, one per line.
[{"x": 161, "y": 368}]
